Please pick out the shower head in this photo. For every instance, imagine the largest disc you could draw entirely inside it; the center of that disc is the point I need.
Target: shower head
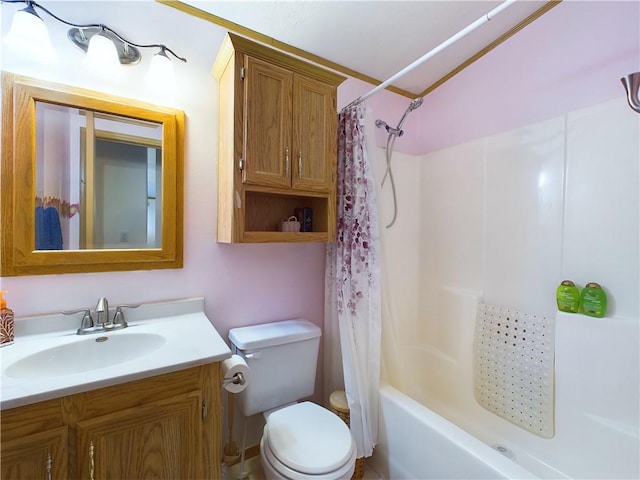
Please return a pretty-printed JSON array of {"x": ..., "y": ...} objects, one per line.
[{"x": 415, "y": 103}]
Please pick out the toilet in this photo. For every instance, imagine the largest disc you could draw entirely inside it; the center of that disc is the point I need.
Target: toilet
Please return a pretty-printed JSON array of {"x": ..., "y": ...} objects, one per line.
[{"x": 300, "y": 440}]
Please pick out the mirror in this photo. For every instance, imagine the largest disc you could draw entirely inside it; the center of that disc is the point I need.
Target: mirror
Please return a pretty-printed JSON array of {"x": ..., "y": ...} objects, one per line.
[
  {"x": 90, "y": 182},
  {"x": 97, "y": 180}
]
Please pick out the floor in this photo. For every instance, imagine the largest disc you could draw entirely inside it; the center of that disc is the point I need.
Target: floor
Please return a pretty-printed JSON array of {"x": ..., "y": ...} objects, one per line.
[{"x": 253, "y": 471}]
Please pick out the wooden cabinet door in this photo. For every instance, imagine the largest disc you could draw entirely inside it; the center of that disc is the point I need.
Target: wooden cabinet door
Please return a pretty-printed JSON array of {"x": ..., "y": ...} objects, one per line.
[
  {"x": 159, "y": 440},
  {"x": 267, "y": 124},
  {"x": 314, "y": 135},
  {"x": 41, "y": 455}
]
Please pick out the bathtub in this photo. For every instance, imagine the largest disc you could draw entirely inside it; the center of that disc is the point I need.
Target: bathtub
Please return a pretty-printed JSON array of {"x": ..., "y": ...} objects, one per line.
[
  {"x": 431, "y": 425},
  {"x": 416, "y": 443}
]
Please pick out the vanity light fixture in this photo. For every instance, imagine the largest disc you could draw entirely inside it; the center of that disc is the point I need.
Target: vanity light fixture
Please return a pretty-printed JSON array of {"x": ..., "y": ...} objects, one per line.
[
  {"x": 99, "y": 41},
  {"x": 29, "y": 34}
]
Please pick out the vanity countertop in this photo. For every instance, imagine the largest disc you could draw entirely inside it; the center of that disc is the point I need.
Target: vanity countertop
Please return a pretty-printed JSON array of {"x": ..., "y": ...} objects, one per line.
[{"x": 183, "y": 337}]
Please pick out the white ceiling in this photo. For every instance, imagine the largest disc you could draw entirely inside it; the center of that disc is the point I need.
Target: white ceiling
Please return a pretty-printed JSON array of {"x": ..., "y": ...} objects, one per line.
[{"x": 376, "y": 38}]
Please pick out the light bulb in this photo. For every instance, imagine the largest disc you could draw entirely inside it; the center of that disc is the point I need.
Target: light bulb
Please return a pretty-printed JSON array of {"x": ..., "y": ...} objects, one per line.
[
  {"x": 28, "y": 34},
  {"x": 161, "y": 70},
  {"x": 102, "y": 54}
]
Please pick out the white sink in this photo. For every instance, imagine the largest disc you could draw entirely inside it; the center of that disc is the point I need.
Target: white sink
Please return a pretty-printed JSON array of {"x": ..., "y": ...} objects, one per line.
[
  {"x": 95, "y": 352},
  {"x": 48, "y": 360}
]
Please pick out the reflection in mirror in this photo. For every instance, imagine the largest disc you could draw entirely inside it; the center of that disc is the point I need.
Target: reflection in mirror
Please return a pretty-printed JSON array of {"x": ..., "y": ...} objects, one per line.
[
  {"x": 90, "y": 182},
  {"x": 98, "y": 180}
]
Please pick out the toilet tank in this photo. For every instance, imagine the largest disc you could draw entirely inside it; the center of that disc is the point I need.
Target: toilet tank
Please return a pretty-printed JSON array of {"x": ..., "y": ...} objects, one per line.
[{"x": 282, "y": 357}]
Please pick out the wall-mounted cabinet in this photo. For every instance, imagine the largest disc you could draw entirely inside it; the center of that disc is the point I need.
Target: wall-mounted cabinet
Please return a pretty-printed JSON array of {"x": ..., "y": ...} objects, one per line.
[{"x": 277, "y": 144}]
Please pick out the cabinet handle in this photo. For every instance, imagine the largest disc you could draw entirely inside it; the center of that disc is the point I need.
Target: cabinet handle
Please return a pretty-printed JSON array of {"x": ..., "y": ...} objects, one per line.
[
  {"x": 91, "y": 462},
  {"x": 286, "y": 162},
  {"x": 300, "y": 164},
  {"x": 49, "y": 464}
]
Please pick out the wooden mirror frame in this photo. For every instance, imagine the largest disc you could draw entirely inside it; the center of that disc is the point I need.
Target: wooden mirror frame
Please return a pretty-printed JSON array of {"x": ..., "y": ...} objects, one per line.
[{"x": 17, "y": 181}]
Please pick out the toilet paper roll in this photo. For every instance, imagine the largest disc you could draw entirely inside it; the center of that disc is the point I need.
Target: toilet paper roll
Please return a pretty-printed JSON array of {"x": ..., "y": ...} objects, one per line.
[{"x": 235, "y": 374}]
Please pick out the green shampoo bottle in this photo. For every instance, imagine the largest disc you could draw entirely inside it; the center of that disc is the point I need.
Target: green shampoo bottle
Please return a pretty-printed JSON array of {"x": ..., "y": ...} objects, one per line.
[
  {"x": 568, "y": 297},
  {"x": 593, "y": 300}
]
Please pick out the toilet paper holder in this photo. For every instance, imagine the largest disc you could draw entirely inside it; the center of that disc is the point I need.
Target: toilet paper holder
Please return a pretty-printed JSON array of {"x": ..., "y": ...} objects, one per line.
[{"x": 236, "y": 379}]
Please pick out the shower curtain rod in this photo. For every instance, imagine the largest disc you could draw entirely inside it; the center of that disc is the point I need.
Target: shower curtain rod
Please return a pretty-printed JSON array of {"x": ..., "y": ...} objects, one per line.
[{"x": 482, "y": 20}]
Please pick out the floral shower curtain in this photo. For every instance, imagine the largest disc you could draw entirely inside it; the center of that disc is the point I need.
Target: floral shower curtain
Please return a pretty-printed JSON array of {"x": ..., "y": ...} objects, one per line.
[{"x": 352, "y": 282}]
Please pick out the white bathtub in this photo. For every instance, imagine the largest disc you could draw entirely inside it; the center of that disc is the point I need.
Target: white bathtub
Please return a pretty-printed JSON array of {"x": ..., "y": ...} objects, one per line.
[
  {"x": 433, "y": 427},
  {"x": 416, "y": 443}
]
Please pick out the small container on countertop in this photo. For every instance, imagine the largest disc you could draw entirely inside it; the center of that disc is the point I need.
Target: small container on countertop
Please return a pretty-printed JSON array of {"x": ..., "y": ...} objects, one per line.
[{"x": 6, "y": 322}]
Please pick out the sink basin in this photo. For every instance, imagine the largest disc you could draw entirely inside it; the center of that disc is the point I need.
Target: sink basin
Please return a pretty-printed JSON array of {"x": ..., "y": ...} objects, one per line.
[
  {"x": 48, "y": 360},
  {"x": 95, "y": 352}
]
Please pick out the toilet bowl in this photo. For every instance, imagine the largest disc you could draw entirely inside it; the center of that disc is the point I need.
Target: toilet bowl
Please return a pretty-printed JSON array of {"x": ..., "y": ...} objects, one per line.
[{"x": 306, "y": 441}]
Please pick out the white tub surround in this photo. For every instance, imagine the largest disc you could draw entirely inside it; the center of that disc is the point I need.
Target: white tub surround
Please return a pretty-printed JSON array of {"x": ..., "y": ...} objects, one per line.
[
  {"x": 597, "y": 397},
  {"x": 502, "y": 220},
  {"x": 176, "y": 335}
]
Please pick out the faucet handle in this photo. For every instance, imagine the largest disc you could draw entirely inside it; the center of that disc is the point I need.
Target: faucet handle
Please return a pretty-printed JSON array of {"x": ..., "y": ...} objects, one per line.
[
  {"x": 118, "y": 318},
  {"x": 87, "y": 319}
]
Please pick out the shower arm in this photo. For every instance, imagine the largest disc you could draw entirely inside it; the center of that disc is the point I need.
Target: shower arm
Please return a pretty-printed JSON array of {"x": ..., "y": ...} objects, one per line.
[{"x": 394, "y": 133}]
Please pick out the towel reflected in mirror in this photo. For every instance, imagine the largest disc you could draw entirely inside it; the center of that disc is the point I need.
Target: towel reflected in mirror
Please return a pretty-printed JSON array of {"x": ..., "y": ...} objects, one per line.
[{"x": 48, "y": 229}]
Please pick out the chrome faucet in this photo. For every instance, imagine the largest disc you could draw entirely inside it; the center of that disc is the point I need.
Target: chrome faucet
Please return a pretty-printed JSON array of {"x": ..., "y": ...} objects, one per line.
[
  {"x": 102, "y": 314},
  {"x": 102, "y": 323}
]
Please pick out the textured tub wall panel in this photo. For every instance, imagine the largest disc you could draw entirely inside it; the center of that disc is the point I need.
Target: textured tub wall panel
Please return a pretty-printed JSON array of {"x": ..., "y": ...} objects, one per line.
[
  {"x": 524, "y": 196},
  {"x": 597, "y": 368},
  {"x": 456, "y": 312},
  {"x": 399, "y": 258},
  {"x": 444, "y": 367},
  {"x": 401, "y": 242},
  {"x": 451, "y": 230},
  {"x": 602, "y": 204}
]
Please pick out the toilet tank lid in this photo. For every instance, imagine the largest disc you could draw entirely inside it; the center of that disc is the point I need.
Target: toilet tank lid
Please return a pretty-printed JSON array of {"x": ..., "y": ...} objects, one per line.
[{"x": 274, "y": 333}]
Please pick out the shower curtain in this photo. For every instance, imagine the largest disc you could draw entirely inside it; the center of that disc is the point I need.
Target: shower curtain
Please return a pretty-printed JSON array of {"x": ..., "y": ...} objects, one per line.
[{"x": 352, "y": 281}]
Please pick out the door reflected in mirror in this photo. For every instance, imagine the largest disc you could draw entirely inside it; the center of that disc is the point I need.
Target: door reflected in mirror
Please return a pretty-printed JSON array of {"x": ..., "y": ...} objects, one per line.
[
  {"x": 98, "y": 180},
  {"x": 91, "y": 182}
]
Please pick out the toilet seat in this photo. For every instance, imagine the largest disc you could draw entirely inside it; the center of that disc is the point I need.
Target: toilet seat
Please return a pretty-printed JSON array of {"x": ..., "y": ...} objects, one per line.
[
  {"x": 274, "y": 469},
  {"x": 308, "y": 441}
]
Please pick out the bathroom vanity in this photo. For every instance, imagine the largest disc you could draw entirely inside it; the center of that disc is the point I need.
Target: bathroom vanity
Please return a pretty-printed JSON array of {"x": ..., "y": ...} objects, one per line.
[
  {"x": 165, "y": 426},
  {"x": 156, "y": 415}
]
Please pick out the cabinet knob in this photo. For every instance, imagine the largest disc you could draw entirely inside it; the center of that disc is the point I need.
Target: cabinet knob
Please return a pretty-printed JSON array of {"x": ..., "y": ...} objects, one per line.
[
  {"x": 92, "y": 466},
  {"x": 300, "y": 164},
  {"x": 286, "y": 162},
  {"x": 49, "y": 465}
]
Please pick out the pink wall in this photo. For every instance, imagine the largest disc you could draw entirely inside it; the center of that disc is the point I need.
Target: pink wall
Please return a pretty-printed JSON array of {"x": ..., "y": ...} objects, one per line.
[
  {"x": 571, "y": 57},
  {"x": 242, "y": 284}
]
